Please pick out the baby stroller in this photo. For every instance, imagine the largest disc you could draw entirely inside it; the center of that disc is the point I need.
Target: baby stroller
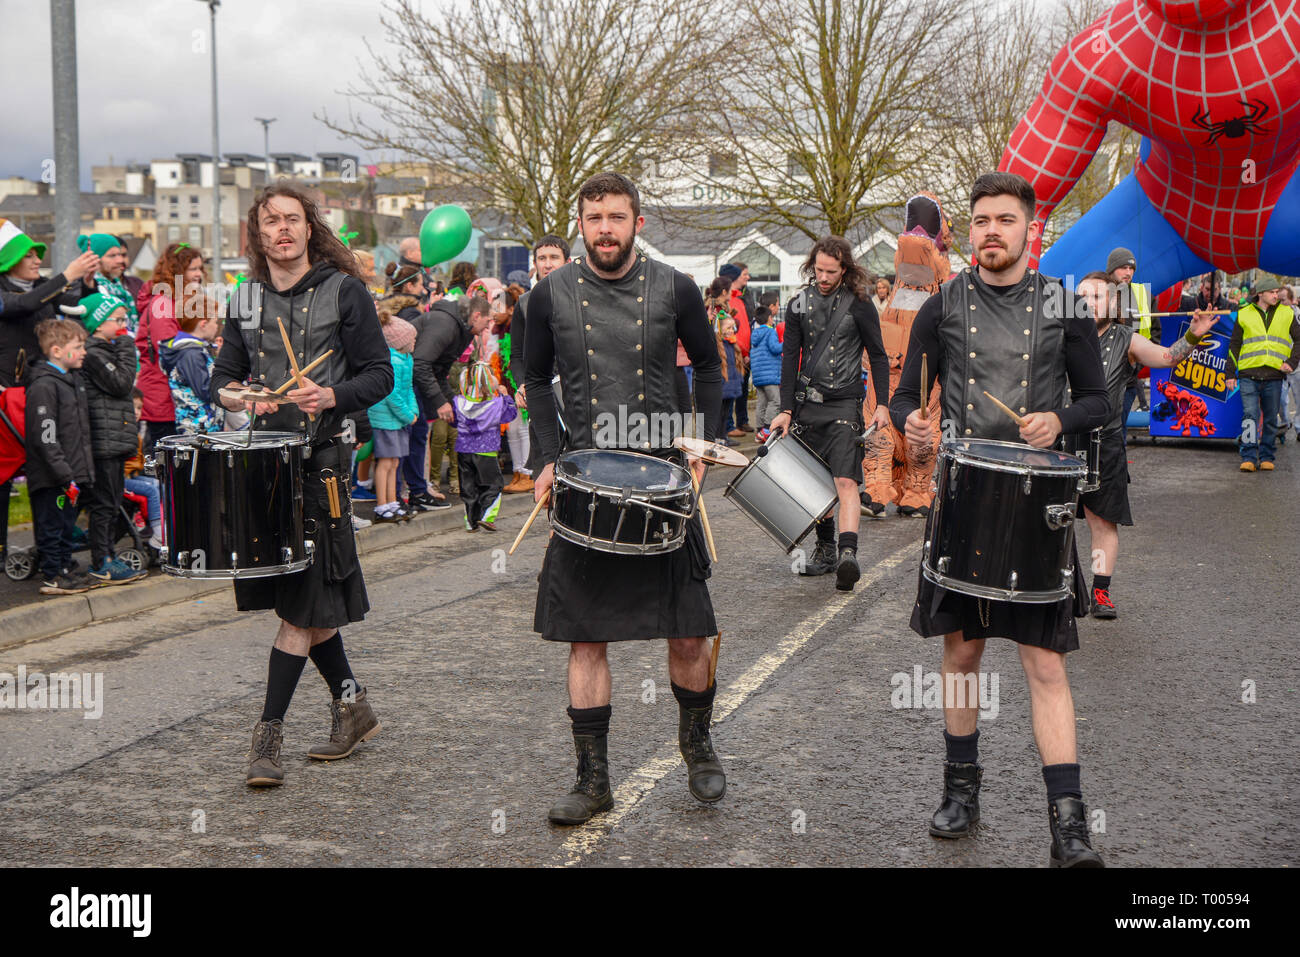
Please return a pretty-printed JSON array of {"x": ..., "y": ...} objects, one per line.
[{"x": 132, "y": 522}]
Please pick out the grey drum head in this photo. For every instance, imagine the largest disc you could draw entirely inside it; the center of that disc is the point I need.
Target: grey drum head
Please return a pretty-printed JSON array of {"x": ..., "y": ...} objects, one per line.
[{"x": 786, "y": 491}]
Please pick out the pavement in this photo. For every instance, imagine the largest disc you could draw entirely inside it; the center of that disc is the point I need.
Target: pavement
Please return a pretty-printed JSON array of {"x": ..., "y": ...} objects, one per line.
[{"x": 1182, "y": 707}]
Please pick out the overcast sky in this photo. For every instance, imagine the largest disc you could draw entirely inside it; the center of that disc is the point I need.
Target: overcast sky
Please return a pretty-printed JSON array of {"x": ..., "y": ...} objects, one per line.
[{"x": 144, "y": 93}]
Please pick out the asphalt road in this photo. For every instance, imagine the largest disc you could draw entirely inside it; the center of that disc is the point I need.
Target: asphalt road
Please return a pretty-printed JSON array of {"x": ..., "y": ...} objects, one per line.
[{"x": 822, "y": 768}]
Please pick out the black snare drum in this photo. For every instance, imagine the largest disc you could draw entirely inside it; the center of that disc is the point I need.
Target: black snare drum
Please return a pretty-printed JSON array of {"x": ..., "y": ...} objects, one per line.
[
  {"x": 1086, "y": 446},
  {"x": 1002, "y": 523},
  {"x": 623, "y": 502},
  {"x": 231, "y": 508}
]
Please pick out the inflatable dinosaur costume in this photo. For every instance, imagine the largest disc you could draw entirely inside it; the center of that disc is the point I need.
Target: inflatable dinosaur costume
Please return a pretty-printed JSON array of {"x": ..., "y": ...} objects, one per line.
[{"x": 892, "y": 472}]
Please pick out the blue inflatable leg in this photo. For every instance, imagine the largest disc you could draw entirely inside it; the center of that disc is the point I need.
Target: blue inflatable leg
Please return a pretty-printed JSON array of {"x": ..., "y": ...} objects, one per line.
[
  {"x": 1279, "y": 249},
  {"x": 1125, "y": 217}
]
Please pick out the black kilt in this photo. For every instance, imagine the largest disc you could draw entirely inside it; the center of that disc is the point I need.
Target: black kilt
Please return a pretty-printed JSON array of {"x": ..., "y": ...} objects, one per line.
[
  {"x": 330, "y": 592},
  {"x": 939, "y": 611},
  {"x": 833, "y": 429},
  {"x": 1110, "y": 501},
  {"x": 586, "y": 595}
]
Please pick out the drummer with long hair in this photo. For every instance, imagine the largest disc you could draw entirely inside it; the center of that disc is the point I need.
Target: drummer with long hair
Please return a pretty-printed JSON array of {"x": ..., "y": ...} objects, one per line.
[
  {"x": 1005, "y": 329},
  {"x": 306, "y": 280},
  {"x": 610, "y": 322}
]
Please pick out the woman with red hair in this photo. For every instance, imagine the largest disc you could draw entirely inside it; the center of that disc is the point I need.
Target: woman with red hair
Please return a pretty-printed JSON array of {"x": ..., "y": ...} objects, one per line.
[{"x": 179, "y": 273}]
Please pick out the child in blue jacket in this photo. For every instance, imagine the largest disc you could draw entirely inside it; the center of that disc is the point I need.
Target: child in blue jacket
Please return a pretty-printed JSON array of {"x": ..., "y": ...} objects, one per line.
[{"x": 391, "y": 419}]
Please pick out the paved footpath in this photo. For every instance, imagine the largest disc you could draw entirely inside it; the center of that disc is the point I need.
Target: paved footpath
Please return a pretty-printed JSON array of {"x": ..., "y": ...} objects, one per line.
[{"x": 822, "y": 768}]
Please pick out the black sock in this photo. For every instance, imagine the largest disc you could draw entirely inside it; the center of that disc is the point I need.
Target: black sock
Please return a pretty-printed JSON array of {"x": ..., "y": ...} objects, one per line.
[
  {"x": 332, "y": 662},
  {"x": 1101, "y": 581},
  {"x": 962, "y": 748},
  {"x": 1062, "y": 780},
  {"x": 694, "y": 699},
  {"x": 826, "y": 531},
  {"x": 591, "y": 721},
  {"x": 848, "y": 540},
  {"x": 281, "y": 679}
]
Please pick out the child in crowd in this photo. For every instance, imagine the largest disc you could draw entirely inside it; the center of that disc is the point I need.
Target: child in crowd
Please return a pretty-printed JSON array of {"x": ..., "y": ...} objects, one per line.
[
  {"x": 59, "y": 465},
  {"x": 137, "y": 483},
  {"x": 482, "y": 407},
  {"x": 765, "y": 363},
  {"x": 186, "y": 359},
  {"x": 733, "y": 375},
  {"x": 391, "y": 419},
  {"x": 108, "y": 371}
]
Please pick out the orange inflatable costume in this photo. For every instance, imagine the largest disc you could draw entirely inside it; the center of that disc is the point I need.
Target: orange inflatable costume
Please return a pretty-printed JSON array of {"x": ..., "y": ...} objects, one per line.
[{"x": 892, "y": 472}]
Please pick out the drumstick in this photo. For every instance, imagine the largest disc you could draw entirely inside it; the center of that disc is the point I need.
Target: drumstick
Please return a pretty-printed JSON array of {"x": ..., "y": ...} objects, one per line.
[
  {"x": 305, "y": 369},
  {"x": 925, "y": 395},
  {"x": 528, "y": 524},
  {"x": 704, "y": 518},
  {"x": 1018, "y": 420},
  {"x": 713, "y": 658},
  {"x": 293, "y": 362},
  {"x": 1188, "y": 312}
]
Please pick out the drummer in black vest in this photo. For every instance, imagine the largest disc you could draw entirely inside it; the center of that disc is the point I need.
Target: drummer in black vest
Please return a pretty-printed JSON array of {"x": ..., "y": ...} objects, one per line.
[
  {"x": 610, "y": 321},
  {"x": 1006, "y": 329},
  {"x": 305, "y": 278},
  {"x": 1123, "y": 352},
  {"x": 827, "y": 327}
]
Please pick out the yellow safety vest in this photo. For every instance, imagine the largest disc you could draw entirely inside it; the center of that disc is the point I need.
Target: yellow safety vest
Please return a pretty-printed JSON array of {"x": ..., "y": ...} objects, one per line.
[
  {"x": 1142, "y": 302},
  {"x": 1260, "y": 346}
]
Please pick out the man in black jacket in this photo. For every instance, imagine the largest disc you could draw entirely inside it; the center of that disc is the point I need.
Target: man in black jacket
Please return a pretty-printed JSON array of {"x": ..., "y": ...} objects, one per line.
[
  {"x": 58, "y": 450},
  {"x": 442, "y": 340},
  {"x": 827, "y": 326},
  {"x": 108, "y": 372}
]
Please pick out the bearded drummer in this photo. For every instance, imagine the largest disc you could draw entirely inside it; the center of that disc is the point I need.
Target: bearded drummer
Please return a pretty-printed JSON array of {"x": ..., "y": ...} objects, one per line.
[
  {"x": 1006, "y": 329},
  {"x": 307, "y": 280},
  {"x": 610, "y": 321}
]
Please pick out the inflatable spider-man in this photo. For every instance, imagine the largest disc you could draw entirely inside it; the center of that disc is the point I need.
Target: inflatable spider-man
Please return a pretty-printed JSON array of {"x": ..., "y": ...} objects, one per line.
[
  {"x": 1189, "y": 409},
  {"x": 1213, "y": 86}
]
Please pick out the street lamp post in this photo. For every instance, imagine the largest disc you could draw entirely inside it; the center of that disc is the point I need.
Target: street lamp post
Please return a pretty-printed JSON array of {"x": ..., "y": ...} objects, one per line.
[
  {"x": 216, "y": 148},
  {"x": 266, "y": 145},
  {"x": 67, "y": 165}
]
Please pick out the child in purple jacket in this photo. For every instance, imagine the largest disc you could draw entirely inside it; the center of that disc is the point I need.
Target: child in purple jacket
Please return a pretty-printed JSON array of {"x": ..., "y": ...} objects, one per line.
[{"x": 482, "y": 407}]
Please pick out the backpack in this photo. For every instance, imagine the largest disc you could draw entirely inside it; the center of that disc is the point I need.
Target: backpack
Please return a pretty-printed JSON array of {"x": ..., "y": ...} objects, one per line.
[{"x": 13, "y": 427}]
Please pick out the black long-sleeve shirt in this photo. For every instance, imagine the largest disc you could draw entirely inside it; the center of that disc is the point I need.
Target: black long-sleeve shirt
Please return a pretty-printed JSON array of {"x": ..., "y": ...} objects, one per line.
[
  {"x": 867, "y": 320},
  {"x": 1089, "y": 404},
  {"x": 692, "y": 329},
  {"x": 363, "y": 345}
]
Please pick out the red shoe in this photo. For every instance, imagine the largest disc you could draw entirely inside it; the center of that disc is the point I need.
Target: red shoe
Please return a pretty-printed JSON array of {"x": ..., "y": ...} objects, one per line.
[{"x": 1102, "y": 606}]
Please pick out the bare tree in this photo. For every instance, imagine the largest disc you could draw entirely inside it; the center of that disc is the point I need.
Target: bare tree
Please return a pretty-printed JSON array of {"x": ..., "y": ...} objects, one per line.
[
  {"x": 517, "y": 103},
  {"x": 839, "y": 94}
]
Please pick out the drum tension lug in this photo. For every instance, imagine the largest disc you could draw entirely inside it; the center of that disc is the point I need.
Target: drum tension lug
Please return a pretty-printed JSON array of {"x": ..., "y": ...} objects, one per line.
[{"x": 1013, "y": 580}]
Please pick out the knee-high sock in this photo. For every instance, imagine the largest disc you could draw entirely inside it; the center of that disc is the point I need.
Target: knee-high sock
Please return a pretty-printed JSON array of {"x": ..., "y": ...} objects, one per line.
[
  {"x": 281, "y": 679},
  {"x": 332, "y": 662}
]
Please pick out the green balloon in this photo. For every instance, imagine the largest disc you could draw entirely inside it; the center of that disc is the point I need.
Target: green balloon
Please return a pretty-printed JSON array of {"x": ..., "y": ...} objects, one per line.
[{"x": 444, "y": 234}]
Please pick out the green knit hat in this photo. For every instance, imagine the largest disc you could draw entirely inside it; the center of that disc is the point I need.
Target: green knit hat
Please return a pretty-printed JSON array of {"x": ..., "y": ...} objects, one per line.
[
  {"x": 94, "y": 310},
  {"x": 14, "y": 244},
  {"x": 98, "y": 243}
]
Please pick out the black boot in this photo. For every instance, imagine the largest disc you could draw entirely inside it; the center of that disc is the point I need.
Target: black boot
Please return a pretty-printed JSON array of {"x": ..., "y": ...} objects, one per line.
[
  {"x": 705, "y": 778},
  {"x": 846, "y": 570},
  {"x": 821, "y": 561},
  {"x": 1071, "y": 845},
  {"x": 590, "y": 794},
  {"x": 961, "y": 800}
]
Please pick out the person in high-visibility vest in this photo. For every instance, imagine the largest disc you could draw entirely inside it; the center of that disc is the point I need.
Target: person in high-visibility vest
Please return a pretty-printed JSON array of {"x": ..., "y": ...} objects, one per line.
[
  {"x": 1265, "y": 348},
  {"x": 1135, "y": 311}
]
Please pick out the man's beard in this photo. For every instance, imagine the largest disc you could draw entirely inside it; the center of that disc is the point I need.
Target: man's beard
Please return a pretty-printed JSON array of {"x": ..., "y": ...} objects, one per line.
[
  {"x": 1000, "y": 258},
  {"x": 610, "y": 260}
]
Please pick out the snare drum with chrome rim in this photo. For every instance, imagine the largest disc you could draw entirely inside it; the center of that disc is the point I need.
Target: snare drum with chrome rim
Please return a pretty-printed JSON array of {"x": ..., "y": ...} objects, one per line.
[{"x": 627, "y": 503}]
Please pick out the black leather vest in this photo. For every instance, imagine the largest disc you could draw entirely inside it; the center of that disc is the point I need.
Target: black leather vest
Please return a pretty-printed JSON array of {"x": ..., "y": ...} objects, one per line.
[
  {"x": 1114, "y": 345},
  {"x": 1010, "y": 343},
  {"x": 312, "y": 321},
  {"x": 616, "y": 352},
  {"x": 841, "y": 364}
]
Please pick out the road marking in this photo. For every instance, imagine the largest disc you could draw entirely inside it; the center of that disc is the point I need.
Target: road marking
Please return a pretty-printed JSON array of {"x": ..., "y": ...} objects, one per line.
[{"x": 638, "y": 784}]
